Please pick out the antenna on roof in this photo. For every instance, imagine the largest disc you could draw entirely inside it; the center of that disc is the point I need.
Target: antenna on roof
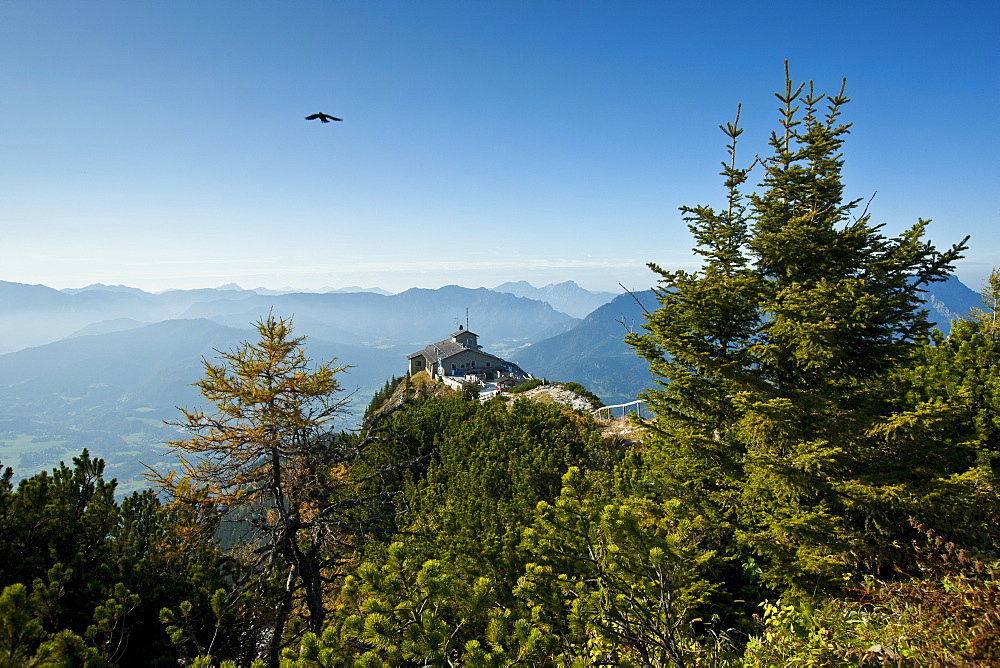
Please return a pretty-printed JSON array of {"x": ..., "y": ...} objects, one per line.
[{"x": 466, "y": 318}]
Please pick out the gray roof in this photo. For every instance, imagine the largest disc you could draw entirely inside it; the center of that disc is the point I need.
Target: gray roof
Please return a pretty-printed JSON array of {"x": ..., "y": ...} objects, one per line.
[{"x": 447, "y": 348}]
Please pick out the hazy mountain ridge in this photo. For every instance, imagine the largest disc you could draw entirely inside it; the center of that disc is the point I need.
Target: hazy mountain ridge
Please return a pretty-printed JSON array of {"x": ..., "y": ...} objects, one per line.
[
  {"x": 109, "y": 326},
  {"x": 110, "y": 383},
  {"x": 111, "y": 392},
  {"x": 594, "y": 354},
  {"x": 289, "y": 290},
  {"x": 416, "y": 317},
  {"x": 33, "y": 315},
  {"x": 106, "y": 288},
  {"x": 111, "y": 380},
  {"x": 950, "y": 299},
  {"x": 567, "y": 296}
]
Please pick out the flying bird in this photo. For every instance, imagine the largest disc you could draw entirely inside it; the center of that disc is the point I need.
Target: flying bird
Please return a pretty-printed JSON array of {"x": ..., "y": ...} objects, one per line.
[{"x": 325, "y": 118}]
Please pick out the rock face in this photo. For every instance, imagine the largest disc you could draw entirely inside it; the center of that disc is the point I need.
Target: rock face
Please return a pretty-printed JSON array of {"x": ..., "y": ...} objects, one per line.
[{"x": 559, "y": 395}]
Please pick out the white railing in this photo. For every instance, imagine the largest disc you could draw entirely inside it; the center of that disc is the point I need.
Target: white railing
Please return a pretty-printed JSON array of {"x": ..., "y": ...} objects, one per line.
[{"x": 608, "y": 411}]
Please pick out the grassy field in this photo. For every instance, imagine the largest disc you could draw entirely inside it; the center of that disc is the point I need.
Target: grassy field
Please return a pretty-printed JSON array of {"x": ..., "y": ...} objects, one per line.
[{"x": 29, "y": 454}]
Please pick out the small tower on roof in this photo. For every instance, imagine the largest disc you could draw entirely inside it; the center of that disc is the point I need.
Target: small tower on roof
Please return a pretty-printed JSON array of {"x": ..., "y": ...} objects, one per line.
[
  {"x": 466, "y": 339},
  {"x": 461, "y": 355}
]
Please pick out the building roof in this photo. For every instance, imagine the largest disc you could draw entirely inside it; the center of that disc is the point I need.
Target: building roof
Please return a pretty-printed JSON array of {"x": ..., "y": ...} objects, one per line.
[{"x": 447, "y": 348}]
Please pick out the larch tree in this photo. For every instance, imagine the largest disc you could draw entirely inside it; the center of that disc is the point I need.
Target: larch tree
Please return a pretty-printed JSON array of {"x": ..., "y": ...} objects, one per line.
[
  {"x": 267, "y": 463},
  {"x": 771, "y": 358}
]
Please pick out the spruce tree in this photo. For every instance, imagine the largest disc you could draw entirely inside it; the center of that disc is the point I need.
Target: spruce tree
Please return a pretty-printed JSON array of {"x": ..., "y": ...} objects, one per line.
[{"x": 771, "y": 359}]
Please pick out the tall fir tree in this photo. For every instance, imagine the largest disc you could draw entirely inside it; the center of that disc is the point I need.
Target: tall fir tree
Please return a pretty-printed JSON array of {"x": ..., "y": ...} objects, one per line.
[{"x": 771, "y": 359}]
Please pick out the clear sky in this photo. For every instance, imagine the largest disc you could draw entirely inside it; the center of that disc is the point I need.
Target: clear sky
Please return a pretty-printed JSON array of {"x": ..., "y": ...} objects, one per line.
[{"x": 163, "y": 144}]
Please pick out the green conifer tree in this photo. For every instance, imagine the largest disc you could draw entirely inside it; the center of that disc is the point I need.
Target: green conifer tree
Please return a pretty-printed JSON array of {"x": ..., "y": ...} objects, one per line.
[
  {"x": 948, "y": 434},
  {"x": 615, "y": 581},
  {"x": 771, "y": 358}
]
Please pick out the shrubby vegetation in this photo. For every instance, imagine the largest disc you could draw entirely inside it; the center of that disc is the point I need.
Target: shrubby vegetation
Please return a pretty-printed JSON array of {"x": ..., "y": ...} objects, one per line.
[
  {"x": 818, "y": 486},
  {"x": 528, "y": 385}
]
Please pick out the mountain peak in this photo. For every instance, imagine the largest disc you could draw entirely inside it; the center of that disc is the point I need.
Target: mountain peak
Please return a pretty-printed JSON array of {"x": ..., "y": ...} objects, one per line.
[
  {"x": 510, "y": 286},
  {"x": 567, "y": 296},
  {"x": 104, "y": 288}
]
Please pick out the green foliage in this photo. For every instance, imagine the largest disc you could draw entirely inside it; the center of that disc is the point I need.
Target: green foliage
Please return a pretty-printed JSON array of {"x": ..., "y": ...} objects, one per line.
[
  {"x": 948, "y": 615},
  {"x": 56, "y": 529},
  {"x": 383, "y": 394},
  {"x": 444, "y": 591},
  {"x": 110, "y": 631},
  {"x": 92, "y": 556},
  {"x": 58, "y": 518},
  {"x": 946, "y": 433},
  {"x": 489, "y": 468},
  {"x": 470, "y": 390},
  {"x": 20, "y": 631},
  {"x": 402, "y": 612},
  {"x": 185, "y": 626},
  {"x": 65, "y": 649},
  {"x": 528, "y": 385},
  {"x": 773, "y": 360},
  {"x": 617, "y": 580}
]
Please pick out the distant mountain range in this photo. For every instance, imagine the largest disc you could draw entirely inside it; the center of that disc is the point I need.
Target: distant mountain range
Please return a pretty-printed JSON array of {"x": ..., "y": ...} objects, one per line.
[
  {"x": 102, "y": 367},
  {"x": 594, "y": 354},
  {"x": 112, "y": 392},
  {"x": 567, "y": 297},
  {"x": 228, "y": 287},
  {"x": 33, "y": 315}
]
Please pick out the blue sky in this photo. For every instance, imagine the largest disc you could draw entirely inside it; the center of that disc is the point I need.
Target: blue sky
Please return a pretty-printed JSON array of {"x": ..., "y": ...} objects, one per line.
[{"x": 163, "y": 144}]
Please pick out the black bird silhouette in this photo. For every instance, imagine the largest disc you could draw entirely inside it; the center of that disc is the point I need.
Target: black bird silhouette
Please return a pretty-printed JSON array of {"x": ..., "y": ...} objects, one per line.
[{"x": 325, "y": 118}]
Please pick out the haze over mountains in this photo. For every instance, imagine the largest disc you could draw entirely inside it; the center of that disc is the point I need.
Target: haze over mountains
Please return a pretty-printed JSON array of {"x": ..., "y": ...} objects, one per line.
[
  {"x": 102, "y": 367},
  {"x": 567, "y": 297},
  {"x": 34, "y": 314}
]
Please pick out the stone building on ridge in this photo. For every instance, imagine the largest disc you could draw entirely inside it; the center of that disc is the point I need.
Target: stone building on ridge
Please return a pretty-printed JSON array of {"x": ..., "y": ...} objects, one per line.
[{"x": 460, "y": 357}]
